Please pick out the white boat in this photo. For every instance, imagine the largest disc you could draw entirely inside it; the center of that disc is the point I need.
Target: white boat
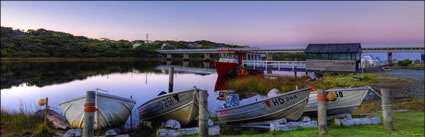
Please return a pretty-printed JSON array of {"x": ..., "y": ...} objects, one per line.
[
  {"x": 181, "y": 106},
  {"x": 289, "y": 105},
  {"x": 347, "y": 101},
  {"x": 113, "y": 110}
]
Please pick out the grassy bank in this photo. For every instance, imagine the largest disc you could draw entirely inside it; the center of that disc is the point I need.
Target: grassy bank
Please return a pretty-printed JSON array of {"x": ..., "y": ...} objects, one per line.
[
  {"x": 261, "y": 85},
  {"x": 23, "y": 124},
  {"x": 406, "y": 124}
]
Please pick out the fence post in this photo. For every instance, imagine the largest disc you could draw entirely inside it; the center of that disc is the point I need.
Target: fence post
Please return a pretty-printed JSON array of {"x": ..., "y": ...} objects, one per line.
[
  {"x": 89, "y": 110},
  {"x": 203, "y": 113},
  {"x": 45, "y": 112},
  {"x": 386, "y": 109},
  {"x": 131, "y": 116},
  {"x": 170, "y": 79},
  {"x": 322, "y": 106}
]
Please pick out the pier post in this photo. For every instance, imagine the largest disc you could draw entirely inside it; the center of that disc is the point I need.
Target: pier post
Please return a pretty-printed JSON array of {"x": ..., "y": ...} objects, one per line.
[
  {"x": 322, "y": 106},
  {"x": 206, "y": 57},
  {"x": 389, "y": 58},
  {"x": 170, "y": 79},
  {"x": 185, "y": 56},
  {"x": 169, "y": 56},
  {"x": 89, "y": 110},
  {"x": 203, "y": 113},
  {"x": 386, "y": 109},
  {"x": 269, "y": 56}
]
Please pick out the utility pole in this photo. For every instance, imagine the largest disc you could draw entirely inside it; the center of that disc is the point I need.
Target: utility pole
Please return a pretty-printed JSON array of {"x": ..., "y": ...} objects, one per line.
[{"x": 147, "y": 39}]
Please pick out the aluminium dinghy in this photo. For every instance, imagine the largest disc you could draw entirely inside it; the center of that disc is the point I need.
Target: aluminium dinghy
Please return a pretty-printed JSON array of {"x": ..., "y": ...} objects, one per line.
[
  {"x": 347, "y": 101},
  {"x": 289, "y": 105},
  {"x": 181, "y": 106},
  {"x": 113, "y": 110}
]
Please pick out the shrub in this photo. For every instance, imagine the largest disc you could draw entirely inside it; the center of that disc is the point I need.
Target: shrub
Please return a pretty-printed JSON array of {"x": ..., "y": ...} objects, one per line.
[{"x": 405, "y": 62}]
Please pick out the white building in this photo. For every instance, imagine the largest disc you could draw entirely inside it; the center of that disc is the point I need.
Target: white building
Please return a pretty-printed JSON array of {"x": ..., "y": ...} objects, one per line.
[
  {"x": 369, "y": 61},
  {"x": 136, "y": 45}
]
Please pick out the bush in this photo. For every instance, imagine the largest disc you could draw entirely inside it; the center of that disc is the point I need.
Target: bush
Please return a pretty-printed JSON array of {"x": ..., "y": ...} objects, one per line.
[{"x": 405, "y": 62}]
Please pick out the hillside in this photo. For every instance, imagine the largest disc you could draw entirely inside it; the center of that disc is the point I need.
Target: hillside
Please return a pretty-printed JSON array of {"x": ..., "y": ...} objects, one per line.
[{"x": 48, "y": 43}]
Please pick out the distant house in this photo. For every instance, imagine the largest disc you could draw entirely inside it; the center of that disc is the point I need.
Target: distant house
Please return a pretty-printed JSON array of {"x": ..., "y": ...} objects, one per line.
[
  {"x": 106, "y": 39},
  {"x": 136, "y": 45},
  {"x": 369, "y": 61},
  {"x": 194, "y": 45},
  {"x": 336, "y": 57},
  {"x": 168, "y": 45}
]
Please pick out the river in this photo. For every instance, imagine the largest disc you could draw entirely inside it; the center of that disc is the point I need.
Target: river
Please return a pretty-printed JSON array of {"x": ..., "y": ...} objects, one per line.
[{"x": 24, "y": 83}]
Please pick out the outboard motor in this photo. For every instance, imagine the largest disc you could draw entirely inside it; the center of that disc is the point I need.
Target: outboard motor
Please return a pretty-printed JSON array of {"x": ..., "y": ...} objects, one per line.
[
  {"x": 232, "y": 100},
  {"x": 162, "y": 93}
]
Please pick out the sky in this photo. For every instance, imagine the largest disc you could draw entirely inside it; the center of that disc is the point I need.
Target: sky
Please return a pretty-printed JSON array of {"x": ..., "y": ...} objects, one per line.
[{"x": 272, "y": 24}]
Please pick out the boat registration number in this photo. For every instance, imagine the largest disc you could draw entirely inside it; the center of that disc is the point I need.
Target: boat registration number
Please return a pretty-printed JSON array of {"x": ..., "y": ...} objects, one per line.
[
  {"x": 166, "y": 102},
  {"x": 281, "y": 101},
  {"x": 339, "y": 94}
]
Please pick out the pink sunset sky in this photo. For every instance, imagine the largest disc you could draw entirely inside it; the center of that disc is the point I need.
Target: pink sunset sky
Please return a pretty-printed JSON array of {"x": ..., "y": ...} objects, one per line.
[{"x": 259, "y": 24}]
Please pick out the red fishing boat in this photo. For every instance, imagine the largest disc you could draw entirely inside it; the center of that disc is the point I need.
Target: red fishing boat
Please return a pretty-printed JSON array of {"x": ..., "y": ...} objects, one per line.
[{"x": 232, "y": 59}]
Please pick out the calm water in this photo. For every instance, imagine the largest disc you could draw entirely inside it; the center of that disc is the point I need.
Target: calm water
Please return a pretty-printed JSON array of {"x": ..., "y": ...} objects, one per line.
[
  {"x": 23, "y": 84},
  {"x": 416, "y": 74}
]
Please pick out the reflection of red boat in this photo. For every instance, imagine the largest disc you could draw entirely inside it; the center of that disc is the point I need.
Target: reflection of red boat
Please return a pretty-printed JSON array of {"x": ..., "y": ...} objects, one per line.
[
  {"x": 223, "y": 68},
  {"x": 231, "y": 59}
]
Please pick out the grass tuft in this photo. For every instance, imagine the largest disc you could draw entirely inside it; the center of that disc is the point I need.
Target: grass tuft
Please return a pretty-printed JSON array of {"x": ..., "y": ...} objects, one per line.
[{"x": 261, "y": 85}]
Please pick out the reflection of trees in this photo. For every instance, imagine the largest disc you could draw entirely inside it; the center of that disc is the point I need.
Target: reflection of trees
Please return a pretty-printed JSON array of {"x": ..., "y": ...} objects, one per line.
[{"x": 48, "y": 73}]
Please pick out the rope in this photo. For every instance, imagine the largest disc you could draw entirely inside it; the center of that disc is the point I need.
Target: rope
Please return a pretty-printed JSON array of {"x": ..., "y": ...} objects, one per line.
[
  {"x": 320, "y": 96},
  {"x": 374, "y": 91}
]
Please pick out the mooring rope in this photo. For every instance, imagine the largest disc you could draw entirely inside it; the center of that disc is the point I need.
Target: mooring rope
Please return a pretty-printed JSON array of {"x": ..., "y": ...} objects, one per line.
[{"x": 374, "y": 91}]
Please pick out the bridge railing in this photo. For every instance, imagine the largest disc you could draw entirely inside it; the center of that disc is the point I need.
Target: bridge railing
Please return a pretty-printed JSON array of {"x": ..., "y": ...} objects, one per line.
[{"x": 273, "y": 65}]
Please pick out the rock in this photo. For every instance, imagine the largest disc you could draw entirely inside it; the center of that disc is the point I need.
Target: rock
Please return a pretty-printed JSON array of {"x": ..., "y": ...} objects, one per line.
[
  {"x": 210, "y": 122},
  {"x": 292, "y": 126},
  {"x": 309, "y": 124},
  {"x": 337, "y": 122},
  {"x": 112, "y": 132},
  {"x": 357, "y": 121},
  {"x": 54, "y": 119},
  {"x": 72, "y": 133},
  {"x": 273, "y": 92},
  {"x": 172, "y": 124},
  {"x": 306, "y": 119},
  {"x": 274, "y": 126}
]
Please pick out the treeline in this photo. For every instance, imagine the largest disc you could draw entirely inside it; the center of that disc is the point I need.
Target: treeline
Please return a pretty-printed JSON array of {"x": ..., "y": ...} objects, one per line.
[{"x": 47, "y": 43}]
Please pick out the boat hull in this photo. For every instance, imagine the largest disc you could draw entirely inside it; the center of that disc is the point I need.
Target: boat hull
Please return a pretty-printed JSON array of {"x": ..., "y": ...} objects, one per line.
[
  {"x": 180, "y": 106},
  {"x": 288, "y": 105},
  {"x": 348, "y": 100},
  {"x": 223, "y": 68},
  {"x": 113, "y": 110}
]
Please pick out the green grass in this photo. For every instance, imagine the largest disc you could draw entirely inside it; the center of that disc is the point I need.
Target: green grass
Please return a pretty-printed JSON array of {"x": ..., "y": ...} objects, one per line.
[
  {"x": 406, "y": 124},
  {"x": 18, "y": 123}
]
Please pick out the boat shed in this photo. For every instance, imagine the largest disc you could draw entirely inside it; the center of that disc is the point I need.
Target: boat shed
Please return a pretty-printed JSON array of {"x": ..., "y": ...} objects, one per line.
[{"x": 335, "y": 57}]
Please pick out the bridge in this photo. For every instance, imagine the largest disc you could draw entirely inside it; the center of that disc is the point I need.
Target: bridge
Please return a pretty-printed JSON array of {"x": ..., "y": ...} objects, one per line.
[{"x": 270, "y": 52}]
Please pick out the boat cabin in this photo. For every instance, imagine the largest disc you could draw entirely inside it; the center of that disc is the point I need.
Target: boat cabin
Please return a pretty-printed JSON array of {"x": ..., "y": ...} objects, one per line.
[
  {"x": 234, "y": 56},
  {"x": 232, "y": 59},
  {"x": 336, "y": 57}
]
